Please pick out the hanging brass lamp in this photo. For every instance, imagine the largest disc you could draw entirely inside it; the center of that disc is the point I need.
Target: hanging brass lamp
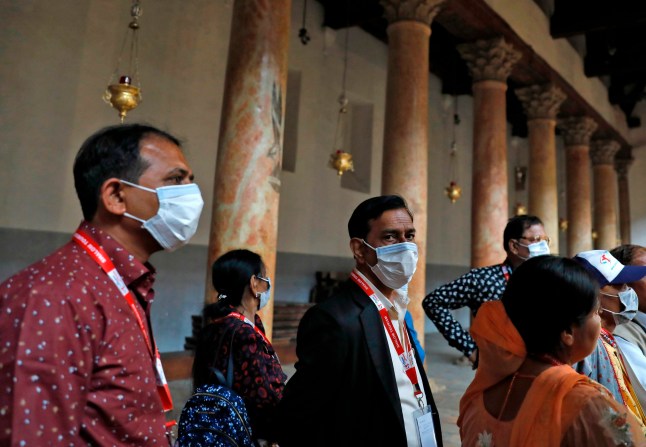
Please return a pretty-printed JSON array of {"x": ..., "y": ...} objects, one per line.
[
  {"x": 520, "y": 209},
  {"x": 125, "y": 94},
  {"x": 340, "y": 160},
  {"x": 453, "y": 191}
]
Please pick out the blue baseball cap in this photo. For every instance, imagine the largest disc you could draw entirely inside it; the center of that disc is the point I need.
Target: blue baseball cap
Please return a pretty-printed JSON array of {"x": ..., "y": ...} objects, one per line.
[{"x": 607, "y": 270}]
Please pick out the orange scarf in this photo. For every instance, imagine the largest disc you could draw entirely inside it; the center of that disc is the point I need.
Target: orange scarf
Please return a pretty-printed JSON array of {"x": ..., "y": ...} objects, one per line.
[{"x": 501, "y": 352}]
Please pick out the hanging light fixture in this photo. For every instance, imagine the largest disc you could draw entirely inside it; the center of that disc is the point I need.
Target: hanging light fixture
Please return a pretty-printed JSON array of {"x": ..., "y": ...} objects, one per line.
[
  {"x": 453, "y": 191},
  {"x": 303, "y": 35},
  {"x": 520, "y": 179},
  {"x": 125, "y": 94},
  {"x": 340, "y": 160},
  {"x": 520, "y": 209}
]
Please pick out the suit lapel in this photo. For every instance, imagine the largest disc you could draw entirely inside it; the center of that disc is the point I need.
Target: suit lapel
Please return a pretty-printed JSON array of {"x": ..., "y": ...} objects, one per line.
[{"x": 375, "y": 338}]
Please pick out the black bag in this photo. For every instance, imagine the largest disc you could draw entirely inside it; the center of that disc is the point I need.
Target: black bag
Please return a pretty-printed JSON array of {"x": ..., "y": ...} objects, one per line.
[{"x": 215, "y": 415}]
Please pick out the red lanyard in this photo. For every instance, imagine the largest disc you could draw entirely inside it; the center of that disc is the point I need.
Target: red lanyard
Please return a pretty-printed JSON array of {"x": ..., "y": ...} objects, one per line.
[
  {"x": 102, "y": 258},
  {"x": 241, "y": 317},
  {"x": 505, "y": 272},
  {"x": 407, "y": 359}
]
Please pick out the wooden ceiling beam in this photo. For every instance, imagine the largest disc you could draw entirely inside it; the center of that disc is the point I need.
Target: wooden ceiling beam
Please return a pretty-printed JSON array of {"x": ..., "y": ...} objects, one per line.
[{"x": 572, "y": 17}]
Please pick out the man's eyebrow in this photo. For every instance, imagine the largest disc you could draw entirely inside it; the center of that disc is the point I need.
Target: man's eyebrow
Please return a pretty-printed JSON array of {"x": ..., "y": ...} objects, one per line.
[
  {"x": 393, "y": 230},
  {"x": 183, "y": 172}
]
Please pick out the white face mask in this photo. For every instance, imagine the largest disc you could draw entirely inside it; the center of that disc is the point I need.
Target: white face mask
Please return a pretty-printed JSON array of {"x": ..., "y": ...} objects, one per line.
[
  {"x": 396, "y": 263},
  {"x": 536, "y": 249},
  {"x": 179, "y": 211},
  {"x": 630, "y": 301},
  {"x": 264, "y": 296}
]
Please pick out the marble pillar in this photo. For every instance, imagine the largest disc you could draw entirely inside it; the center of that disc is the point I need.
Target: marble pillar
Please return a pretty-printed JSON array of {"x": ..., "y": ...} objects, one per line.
[
  {"x": 605, "y": 192},
  {"x": 621, "y": 166},
  {"x": 541, "y": 104},
  {"x": 490, "y": 63},
  {"x": 576, "y": 136},
  {"x": 247, "y": 174},
  {"x": 405, "y": 157}
]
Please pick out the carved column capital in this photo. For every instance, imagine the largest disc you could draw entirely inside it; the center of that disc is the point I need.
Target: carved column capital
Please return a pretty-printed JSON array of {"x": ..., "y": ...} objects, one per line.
[
  {"x": 418, "y": 10},
  {"x": 489, "y": 59},
  {"x": 577, "y": 130},
  {"x": 541, "y": 101},
  {"x": 602, "y": 152},
  {"x": 622, "y": 165}
]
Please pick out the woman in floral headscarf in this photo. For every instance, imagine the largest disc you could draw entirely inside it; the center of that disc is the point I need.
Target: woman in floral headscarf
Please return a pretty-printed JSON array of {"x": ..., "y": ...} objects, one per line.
[{"x": 525, "y": 393}]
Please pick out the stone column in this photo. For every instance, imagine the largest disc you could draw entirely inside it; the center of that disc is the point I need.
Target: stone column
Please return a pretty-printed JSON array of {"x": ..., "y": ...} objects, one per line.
[
  {"x": 490, "y": 63},
  {"x": 621, "y": 166},
  {"x": 576, "y": 136},
  {"x": 541, "y": 104},
  {"x": 605, "y": 192},
  {"x": 247, "y": 174},
  {"x": 405, "y": 158}
]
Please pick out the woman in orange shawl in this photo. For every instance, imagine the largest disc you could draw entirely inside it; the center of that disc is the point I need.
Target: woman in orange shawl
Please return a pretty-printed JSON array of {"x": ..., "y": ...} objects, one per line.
[{"x": 525, "y": 393}]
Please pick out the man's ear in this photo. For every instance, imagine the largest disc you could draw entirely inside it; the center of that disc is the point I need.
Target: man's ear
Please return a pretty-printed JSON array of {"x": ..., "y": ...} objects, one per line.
[
  {"x": 111, "y": 196},
  {"x": 357, "y": 250},
  {"x": 512, "y": 246}
]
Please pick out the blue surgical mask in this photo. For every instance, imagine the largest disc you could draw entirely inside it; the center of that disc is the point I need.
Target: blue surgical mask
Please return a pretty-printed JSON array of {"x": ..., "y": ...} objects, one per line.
[
  {"x": 539, "y": 248},
  {"x": 630, "y": 302},
  {"x": 264, "y": 296},
  {"x": 396, "y": 263}
]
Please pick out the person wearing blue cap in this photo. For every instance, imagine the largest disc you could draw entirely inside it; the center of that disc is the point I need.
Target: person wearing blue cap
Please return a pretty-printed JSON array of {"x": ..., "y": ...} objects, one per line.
[
  {"x": 618, "y": 301},
  {"x": 635, "y": 331},
  {"x": 631, "y": 336}
]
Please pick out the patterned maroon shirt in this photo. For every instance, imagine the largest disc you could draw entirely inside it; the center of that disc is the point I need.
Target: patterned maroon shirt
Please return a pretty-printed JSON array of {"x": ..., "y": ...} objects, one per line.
[{"x": 74, "y": 366}]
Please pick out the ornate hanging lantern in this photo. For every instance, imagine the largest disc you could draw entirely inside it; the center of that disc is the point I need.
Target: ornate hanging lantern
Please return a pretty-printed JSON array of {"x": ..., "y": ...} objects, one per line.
[
  {"x": 125, "y": 94},
  {"x": 340, "y": 160},
  {"x": 453, "y": 191},
  {"x": 520, "y": 209}
]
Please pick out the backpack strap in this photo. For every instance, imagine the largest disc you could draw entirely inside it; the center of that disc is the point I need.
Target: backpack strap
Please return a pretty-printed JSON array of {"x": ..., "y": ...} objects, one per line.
[{"x": 216, "y": 372}]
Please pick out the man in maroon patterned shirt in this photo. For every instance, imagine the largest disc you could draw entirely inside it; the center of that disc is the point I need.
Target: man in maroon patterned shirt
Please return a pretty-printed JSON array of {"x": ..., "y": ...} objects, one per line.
[{"x": 77, "y": 358}]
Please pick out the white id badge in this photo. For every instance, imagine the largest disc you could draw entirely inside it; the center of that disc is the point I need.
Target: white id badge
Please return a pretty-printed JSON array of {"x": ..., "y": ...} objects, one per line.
[{"x": 425, "y": 427}]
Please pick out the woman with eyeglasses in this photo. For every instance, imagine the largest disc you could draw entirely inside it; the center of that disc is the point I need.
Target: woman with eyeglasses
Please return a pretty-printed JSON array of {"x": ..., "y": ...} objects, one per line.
[{"x": 232, "y": 325}]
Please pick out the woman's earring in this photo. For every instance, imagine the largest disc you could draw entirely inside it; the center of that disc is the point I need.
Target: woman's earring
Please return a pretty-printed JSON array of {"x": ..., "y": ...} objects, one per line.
[{"x": 257, "y": 294}]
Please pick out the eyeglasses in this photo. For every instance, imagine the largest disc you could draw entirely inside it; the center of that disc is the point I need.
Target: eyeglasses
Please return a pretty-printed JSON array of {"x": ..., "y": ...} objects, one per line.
[
  {"x": 267, "y": 280},
  {"x": 624, "y": 288},
  {"x": 533, "y": 240}
]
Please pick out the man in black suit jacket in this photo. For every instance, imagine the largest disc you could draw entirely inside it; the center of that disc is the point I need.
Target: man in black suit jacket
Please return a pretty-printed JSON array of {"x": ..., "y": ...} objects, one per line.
[{"x": 351, "y": 387}]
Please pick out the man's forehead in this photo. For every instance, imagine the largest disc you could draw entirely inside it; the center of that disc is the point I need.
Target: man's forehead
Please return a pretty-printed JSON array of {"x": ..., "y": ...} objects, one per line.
[
  {"x": 157, "y": 149},
  {"x": 536, "y": 228},
  {"x": 393, "y": 220},
  {"x": 640, "y": 257}
]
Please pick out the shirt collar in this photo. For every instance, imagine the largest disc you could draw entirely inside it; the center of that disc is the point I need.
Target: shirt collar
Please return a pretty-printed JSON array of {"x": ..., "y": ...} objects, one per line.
[
  {"x": 385, "y": 301},
  {"x": 641, "y": 318},
  {"x": 138, "y": 276}
]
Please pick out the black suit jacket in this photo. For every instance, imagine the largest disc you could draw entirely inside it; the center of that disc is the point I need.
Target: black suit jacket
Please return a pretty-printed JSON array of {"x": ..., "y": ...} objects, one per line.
[{"x": 344, "y": 391}]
